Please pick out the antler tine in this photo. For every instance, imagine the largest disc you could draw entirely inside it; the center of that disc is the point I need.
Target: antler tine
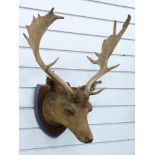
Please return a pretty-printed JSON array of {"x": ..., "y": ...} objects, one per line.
[
  {"x": 108, "y": 47},
  {"x": 36, "y": 30}
]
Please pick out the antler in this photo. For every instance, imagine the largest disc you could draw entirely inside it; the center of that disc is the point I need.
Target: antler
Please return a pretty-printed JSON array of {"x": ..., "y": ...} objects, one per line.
[
  {"x": 36, "y": 30},
  {"x": 108, "y": 47}
]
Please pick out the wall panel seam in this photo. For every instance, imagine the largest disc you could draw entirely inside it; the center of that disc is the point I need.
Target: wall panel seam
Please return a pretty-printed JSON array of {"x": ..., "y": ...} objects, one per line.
[
  {"x": 99, "y": 124},
  {"x": 83, "y": 70},
  {"x": 75, "y": 51},
  {"x": 83, "y": 34},
  {"x": 75, "y": 15},
  {"x": 112, "y": 4},
  {"x": 74, "y": 145}
]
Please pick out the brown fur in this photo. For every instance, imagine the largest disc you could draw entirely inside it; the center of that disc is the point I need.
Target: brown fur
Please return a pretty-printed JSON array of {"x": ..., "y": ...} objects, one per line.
[{"x": 60, "y": 107}]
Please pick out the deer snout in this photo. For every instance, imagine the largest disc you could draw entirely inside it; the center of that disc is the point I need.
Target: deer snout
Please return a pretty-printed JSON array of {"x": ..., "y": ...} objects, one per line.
[
  {"x": 88, "y": 137},
  {"x": 85, "y": 135},
  {"x": 88, "y": 140}
]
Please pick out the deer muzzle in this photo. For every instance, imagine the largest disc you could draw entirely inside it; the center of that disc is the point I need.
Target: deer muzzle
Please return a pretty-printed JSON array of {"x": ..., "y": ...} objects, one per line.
[{"x": 83, "y": 133}]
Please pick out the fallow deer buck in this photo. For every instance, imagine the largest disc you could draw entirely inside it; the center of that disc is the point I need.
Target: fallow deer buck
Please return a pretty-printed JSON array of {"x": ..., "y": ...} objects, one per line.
[{"x": 63, "y": 104}]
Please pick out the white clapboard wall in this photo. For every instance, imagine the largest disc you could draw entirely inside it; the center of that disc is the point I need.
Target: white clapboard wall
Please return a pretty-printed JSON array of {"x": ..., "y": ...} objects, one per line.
[{"x": 87, "y": 23}]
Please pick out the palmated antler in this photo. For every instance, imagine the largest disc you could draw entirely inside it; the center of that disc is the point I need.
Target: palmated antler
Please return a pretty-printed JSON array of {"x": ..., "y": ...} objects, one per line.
[
  {"x": 108, "y": 47},
  {"x": 36, "y": 30}
]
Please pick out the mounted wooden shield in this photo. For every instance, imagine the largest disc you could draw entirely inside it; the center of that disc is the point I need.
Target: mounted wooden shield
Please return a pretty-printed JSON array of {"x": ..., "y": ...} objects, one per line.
[{"x": 53, "y": 131}]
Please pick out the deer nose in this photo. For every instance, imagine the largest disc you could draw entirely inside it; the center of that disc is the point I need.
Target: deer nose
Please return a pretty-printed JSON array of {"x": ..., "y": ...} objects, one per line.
[{"x": 88, "y": 140}]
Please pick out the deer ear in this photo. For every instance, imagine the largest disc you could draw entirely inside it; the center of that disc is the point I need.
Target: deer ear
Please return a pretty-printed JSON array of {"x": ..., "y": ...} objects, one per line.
[
  {"x": 83, "y": 87},
  {"x": 90, "y": 107},
  {"x": 50, "y": 83}
]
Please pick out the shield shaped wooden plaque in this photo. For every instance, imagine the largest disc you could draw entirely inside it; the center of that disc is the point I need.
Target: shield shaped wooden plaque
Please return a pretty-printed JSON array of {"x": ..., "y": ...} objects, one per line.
[{"x": 53, "y": 131}]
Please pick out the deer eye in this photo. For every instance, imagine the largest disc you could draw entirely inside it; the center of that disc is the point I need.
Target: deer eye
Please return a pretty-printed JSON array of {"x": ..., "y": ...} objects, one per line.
[{"x": 69, "y": 111}]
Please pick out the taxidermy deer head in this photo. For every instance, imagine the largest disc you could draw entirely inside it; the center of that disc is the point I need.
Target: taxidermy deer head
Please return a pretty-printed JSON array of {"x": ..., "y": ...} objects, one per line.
[{"x": 64, "y": 104}]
